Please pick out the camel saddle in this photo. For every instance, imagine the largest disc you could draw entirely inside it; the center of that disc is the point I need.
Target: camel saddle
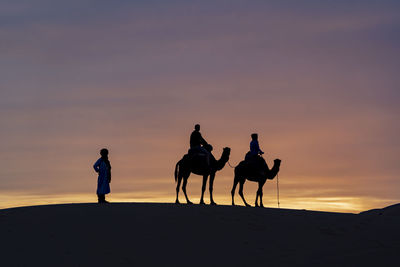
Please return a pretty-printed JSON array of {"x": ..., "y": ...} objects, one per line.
[{"x": 254, "y": 162}]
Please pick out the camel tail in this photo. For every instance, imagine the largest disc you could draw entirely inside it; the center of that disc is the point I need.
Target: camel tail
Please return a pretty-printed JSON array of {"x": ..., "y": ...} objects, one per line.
[{"x": 177, "y": 170}]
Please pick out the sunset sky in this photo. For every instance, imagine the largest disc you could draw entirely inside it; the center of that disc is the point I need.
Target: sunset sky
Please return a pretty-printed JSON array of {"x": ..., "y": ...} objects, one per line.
[{"x": 317, "y": 80}]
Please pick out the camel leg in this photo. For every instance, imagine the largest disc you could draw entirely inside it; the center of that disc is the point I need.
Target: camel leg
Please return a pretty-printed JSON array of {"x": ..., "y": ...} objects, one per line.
[
  {"x": 203, "y": 188},
  {"x": 177, "y": 188},
  {"x": 257, "y": 193},
  {"x": 185, "y": 179},
  {"x": 235, "y": 182},
  {"x": 211, "y": 184},
  {"x": 260, "y": 193},
  {"x": 241, "y": 192}
]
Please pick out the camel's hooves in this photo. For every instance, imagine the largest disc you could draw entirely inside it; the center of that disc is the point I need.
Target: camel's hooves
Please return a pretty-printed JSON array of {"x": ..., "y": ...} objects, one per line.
[
  {"x": 247, "y": 205},
  {"x": 189, "y": 202},
  {"x": 202, "y": 203},
  {"x": 213, "y": 204},
  {"x": 177, "y": 202}
]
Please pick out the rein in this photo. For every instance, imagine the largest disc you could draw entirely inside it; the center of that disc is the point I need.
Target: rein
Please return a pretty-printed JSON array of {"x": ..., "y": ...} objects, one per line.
[
  {"x": 231, "y": 165},
  {"x": 277, "y": 189}
]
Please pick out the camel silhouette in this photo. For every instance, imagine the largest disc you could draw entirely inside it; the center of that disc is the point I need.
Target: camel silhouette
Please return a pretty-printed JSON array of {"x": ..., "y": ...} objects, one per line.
[
  {"x": 247, "y": 171},
  {"x": 200, "y": 165}
]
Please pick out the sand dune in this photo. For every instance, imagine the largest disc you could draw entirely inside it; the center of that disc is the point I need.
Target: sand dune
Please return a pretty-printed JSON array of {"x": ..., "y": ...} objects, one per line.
[{"x": 150, "y": 234}]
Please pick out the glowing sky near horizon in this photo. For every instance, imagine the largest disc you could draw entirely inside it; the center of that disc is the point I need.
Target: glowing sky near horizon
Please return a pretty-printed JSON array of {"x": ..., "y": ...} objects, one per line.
[{"x": 318, "y": 81}]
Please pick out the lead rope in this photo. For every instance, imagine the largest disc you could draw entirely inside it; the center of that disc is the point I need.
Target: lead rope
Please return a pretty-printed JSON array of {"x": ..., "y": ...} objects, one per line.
[
  {"x": 231, "y": 165},
  {"x": 277, "y": 191}
]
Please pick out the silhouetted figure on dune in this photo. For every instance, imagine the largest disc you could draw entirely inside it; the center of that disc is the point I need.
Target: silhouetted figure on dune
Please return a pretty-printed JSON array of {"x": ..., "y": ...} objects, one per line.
[
  {"x": 103, "y": 168},
  {"x": 254, "y": 168},
  {"x": 199, "y": 161}
]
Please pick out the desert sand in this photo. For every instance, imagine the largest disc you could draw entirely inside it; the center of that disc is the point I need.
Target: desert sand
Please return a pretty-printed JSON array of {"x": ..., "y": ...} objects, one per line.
[{"x": 154, "y": 234}]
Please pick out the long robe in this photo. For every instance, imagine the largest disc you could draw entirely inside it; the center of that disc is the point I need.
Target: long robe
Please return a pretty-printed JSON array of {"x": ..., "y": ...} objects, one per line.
[{"x": 103, "y": 184}]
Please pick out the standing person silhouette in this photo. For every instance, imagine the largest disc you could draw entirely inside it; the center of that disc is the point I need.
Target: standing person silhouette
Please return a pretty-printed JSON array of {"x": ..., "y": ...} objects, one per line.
[{"x": 103, "y": 168}]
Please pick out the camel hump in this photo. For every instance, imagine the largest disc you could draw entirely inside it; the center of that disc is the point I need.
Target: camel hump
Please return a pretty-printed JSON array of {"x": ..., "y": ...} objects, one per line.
[
  {"x": 254, "y": 164},
  {"x": 240, "y": 167},
  {"x": 197, "y": 151}
]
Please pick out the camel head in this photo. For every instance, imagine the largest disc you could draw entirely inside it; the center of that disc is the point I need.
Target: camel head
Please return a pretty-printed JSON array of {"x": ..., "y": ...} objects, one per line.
[
  {"x": 225, "y": 154},
  {"x": 275, "y": 169},
  {"x": 277, "y": 163},
  {"x": 224, "y": 158}
]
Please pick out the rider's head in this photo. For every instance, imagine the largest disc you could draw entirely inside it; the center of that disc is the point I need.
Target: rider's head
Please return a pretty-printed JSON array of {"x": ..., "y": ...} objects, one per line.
[
  {"x": 254, "y": 136},
  {"x": 104, "y": 152},
  {"x": 197, "y": 127}
]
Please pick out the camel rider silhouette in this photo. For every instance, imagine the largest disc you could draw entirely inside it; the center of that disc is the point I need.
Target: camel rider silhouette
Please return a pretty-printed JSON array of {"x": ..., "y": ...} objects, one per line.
[
  {"x": 197, "y": 143},
  {"x": 254, "y": 146},
  {"x": 255, "y": 151}
]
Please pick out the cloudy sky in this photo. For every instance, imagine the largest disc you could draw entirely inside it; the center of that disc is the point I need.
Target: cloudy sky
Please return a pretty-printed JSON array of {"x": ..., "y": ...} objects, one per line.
[{"x": 317, "y": 80}]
